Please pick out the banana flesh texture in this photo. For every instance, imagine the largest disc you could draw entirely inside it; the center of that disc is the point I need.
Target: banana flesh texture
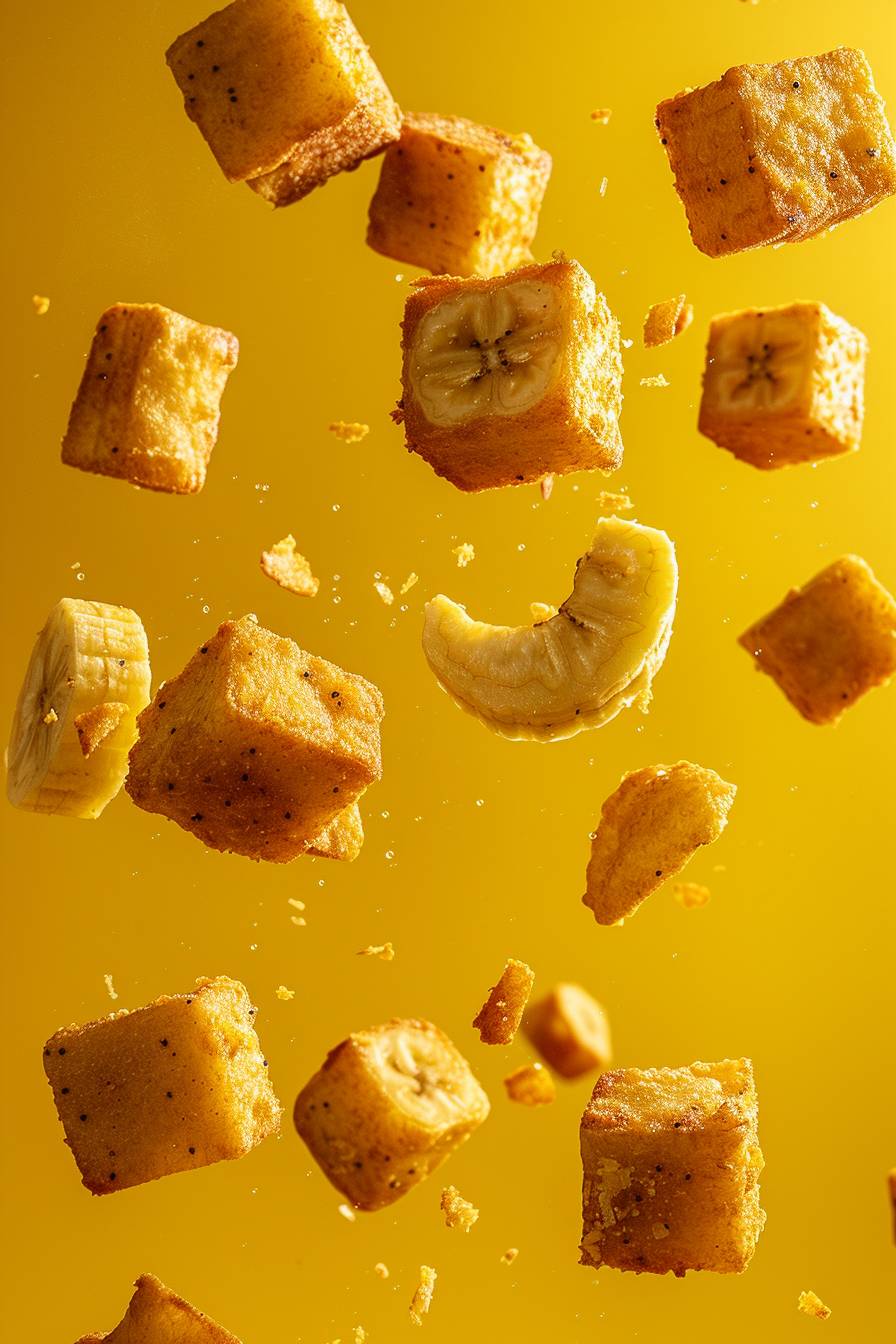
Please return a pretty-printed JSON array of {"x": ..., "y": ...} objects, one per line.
[
  {"x": 760, "y": 363},
  {"x": 88, "y": 654},
  {"x": 581, "y": 667},
  {"x": 421, "y": 1075},
  {"x": 493, "y": 352}
]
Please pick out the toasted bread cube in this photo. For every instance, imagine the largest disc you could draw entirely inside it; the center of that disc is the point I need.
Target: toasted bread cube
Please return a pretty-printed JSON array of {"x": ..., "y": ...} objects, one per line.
[
  {"x": 499, "y": 1017},
  {"x": 285, "y": 94},
  {"x": 511, "y": 379},
  {"x": 342, "y": 838},
  {"x": 179, "y": 1084},
  {"x": 784, "y": 385},
  {"x": 829, "y": 642},
  {"x": 530, "y": 1085},
  {"x": 257, "y": 746},
  {"x": 671, "y": 1164},
  {"x": 570, "y": 1030},
  {"x": 666, "y": 320},
  {"x": 155, "y": 1315},
  {"x": 458, "y": 197},
  {"x": 777, "y": 153},
  {"x": 149, "y": 402},
  {"x": 387, "y": 1107},
  {"x": 649, "y": 827}
]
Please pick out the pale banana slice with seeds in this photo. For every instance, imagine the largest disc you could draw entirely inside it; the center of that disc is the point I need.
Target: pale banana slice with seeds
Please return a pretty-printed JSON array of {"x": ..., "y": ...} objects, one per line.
[
  {"x": 88, "y": 655},
  {"x": 578, "y": 669},
  {"x": 760, "y": 362}
]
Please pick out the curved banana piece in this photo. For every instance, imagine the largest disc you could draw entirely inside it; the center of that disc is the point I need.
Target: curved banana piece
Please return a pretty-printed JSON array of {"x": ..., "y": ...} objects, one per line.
[
  {"x": 88, "y": 657},
  {"x": 596, "y": 656}
]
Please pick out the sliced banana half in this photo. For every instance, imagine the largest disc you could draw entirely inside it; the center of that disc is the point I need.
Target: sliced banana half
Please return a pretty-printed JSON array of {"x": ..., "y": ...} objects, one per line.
[
  {"x": 487, "y": 352},
  {"x": 88, "y": 656},
  {"x": 423, "y": 1074},
  {"x": 578, "y": 669},
  {"x": 760, "y": 362}
]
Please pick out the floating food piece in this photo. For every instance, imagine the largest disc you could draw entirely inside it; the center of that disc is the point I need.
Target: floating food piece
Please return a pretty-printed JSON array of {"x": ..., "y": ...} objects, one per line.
[
  {"x": 381, "y": 1270},
  {"x": 812, "y": 1305},
  {"x": 387, "y": 1108},
  {"x": 784, "y": 385},
  {"x": 457, "y": 197},
  {"x": 459, "y": 1212},
  {"x": 349, "y": 431},
  {"x": 691, "y": 895},
  {"x": 611, "y": 501},
  {"x": 671, "y": 1163},
  {"x": 530, "y": 1085},
  {"x": 578, "y": 669},
  {"x": 256, "y": 746},
  {"x": 510, "y": 1255},
  {"x": 422, "y": 1299},
  {"x": 499, "y": 1017},
  {"x": 777, "y": 153},
  {"x": 602, "y": 115},
  {"x": 95, "y": 725},
  {"x": 384, "y": 592},
  {"x": 179, "y": 1084},
  {"x": 510, "y": 379},
  {"x": 41, "y": 304},
  {"x": 155, "y": 1315},
  {"x": 570, "y": 1030},
  {"x": 288, "y": 568},
  {"x": 341, "y": 838},
  {"x": 655, "y": 380},
  {"x": 649, "y": 827},
  {"x": 285, "y": 94},
  {"x": 88, "y": 657},
  {"x": 284, "y": 994},
  {"x": 830, "y": 642},
  {"x": 110, "y": 988},
  {"x": 464, "y": 553},
  {"x": 666, "y": 320},
  {"x": 409, "y": 582},
  {"x": 385, "y": 951}
]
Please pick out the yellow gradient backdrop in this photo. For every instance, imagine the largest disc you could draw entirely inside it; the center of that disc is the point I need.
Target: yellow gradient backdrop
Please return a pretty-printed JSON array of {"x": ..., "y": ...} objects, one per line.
[{"x": 476, "y": 847}]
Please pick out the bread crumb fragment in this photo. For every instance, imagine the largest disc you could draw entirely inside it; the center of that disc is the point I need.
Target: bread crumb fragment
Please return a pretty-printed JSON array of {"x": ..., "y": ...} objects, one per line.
[
  {"x": 384, "y": 592},
  {"x": 530, "y": 1085},
  {"x": 110, "y": 988},
  {"x": 347, "y": 1212},
  {"x": 381, "y": 1270},
  {"x": 296, "y": 904},
  {"x": 459, "y": 1212},
  {"x": 289, "y": 568},
  {"x": 547, "y": 486},
  {"x": 510, "y": 1255},
  {"x": 349, "y": 431},
  {"x": 50, "y": 717},
  {"x": 95, "y": 725},
  {"x": 655, "y": 380},
  {"x": 409, "y": 582},
  {"x": 385, "y": 951},
  {"x": 613, "y": 501},
  {"x": 812, "y": 1305},
  {"x": 499, "y": 1017},
  {"x": 422, "y": 1299},
  {"x": 602, "y": 115},
  {"x": 666, "y": 320},
  {"x": 41, "y": 304},
  {"x": 465, "y": 552},
  {"x": 285, "y": 994},
  {"x": 359, "y": 1334},
  {"x": 691, "y": 895}
]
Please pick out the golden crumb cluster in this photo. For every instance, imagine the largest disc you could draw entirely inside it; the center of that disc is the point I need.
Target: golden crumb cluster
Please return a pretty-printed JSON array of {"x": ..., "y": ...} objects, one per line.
[
  {"x": 289, "y": 568},
  {"x": 459, "y": 1212}
]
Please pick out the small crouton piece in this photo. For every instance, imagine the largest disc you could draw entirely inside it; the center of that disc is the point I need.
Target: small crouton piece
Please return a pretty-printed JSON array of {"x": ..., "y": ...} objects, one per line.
[
  {"x": 41, "y": 304},
  {"x": 387, "y": 1108},
  {"x": 349, "y": 431},
  {"x": 830, "y": 642},
  {"x": 409, "y": 582},
  {"x": 179, "y": 1084},
  {"x": 812, "y": 1305},
  {"x": 256, "y": 746},
  {"x": 383, "y": 592},
  {"x": 499, "y": 1017},
  {"x": 778, "y": 153},
  {"x": 510, "y": 379},
  {"x": 422, "y": 1299},
  {"x": 347, "y": 1212},
  {"x": 110, "y": 988},
  {"x": 285, "y": 994},
  {"x": 385, "y": 951},
  {"x": 530, "y": 1085},
  {"x": 666, "y": 320},
  {"x": 149, "y": 403},
  {"x": 50, "y": 717},
  {"x": 671, "y": 1164},
  {"x": 510, "y": 1255},
  {"x": 155, "y": 1315},
  {"x": 459, "y": 1212},
  {"x": 602, "y": 115},
  {"x": 465, "y": 553},
  {"x": 458, "y": 198},
  {"x": 655, "y": 380},
  {"x": 691, "y": 895},
  {"x": 285, "y": 94},
  {"x": 784, "y": 385},
  {"x": 381, "y": 1270},
  {"x": 95, "y": 725},
  {"x": 649, "y": 827},
  {"x": 612, "y": 501},
  {"x": 342, "y": 838},
  {"x": 288, "y": 568},
  {"x": 570, "y": 1030}
]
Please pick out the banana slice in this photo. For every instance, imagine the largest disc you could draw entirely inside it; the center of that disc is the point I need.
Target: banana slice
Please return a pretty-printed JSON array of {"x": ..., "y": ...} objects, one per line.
[
  {"x": 88, "y": 655},
  {"x": 760, "y": 362},
  {"x": 578, "y": 669},
  {"x": 487, "y": 352},
  {"x": 420, "y": 1076}
]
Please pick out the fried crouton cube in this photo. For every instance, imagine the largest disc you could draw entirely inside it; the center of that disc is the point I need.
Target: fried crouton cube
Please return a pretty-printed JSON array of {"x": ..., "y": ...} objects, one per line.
[
  {"x": 458, "y": 198},
  {"x": 387, "y": 1107},
  {"x": 149, "y": 403},
  {"x": 155, "y": 1315},
  {"x": 179, "y": 1084},
  {"x": 671, "y": 1164},
  {"x": 499, "y": 1017},
  {"x": 784, "y": 385},
  {"x": 666, "y": 320},
  {"x": 829, "y": 642},
  {"x": 530, "y": 1085},
  {"x": 777, "y": 153},
  {"x": 649, "y": 827},
  {"x": 341, "y": 838},
  {"x": 459, "y": 1212},
  {"x": 256, "y": 746},
  {"x": 285, "y": 93},
  {"x": 511, "y": 379},
  {"x": 570, "y": 1030},
  {"x": 811, "y": 1304}
]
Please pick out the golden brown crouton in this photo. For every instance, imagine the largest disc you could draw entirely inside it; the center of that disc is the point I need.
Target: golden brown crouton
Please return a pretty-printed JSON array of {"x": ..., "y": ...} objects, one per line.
[
  {"x": 95, "y": 725},
  {"x": 812, "y": 1305},
  {"x": 666, "y": 320},
  {"x": 530, "y": 1085},
  {"x": 155, "y": 1315},
  {"x": 499, "y": 1017}
]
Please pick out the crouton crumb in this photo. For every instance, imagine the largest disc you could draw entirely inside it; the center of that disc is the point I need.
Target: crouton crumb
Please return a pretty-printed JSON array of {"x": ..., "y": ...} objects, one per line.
[
  {"x": 510, "y": 1255},
  {"x": 347, "y": 1212},
  {"x": 409, "y": 582},
  {"x": 110, "y": 988},
  {"x": 289, "y": 568},
  {"x": 50, "y": 717},
  {"x": 655, "y": 380},
  {"x": 384, "y": 592},
  {"x": 666, "y": 320},
  {"x": 381, "y": 1270},
  {"x": 41, "y": 304},
  {"x": 349, "y": 431},
  {"x": 812, "y": 1305},
  {"x": 385, "y": 951},
  {"x": 613, "y": 501},
  {"x": 604, "y": 183},
  {"x": 359, "y": 1334},
  {"x": 530, "y": 1085},
  {"x": 465, "y": 552},
  {"x": 422, "y": 1299},
  {"x": 499, "y": 1017},
  {"x": 602, "y": 115},
  {"x": 547, "y": 486},
  {"x": 691, "y": 895},
  {"x": 285, "y": 994},
  {"x": 459, "y": 1212},
  {"x": 95, "y": 725}
]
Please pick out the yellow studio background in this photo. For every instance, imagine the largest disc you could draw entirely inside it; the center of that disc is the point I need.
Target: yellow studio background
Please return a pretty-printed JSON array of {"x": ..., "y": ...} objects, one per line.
[{"x": 476, "y": 847}]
